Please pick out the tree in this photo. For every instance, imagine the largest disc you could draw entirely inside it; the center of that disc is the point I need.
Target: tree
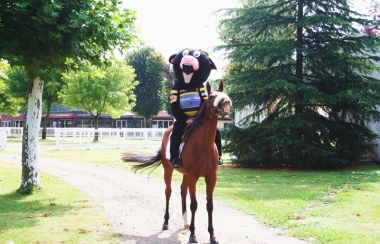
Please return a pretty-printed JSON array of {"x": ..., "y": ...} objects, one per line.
[
  {"x": 169, "y": 77},
  {"x": 149, "y": 66},
  {"x": 41, "y": 35},
  {"x": 16, "y": 79},
  {"x": 303, "y": 66},
  {"x": 50, "y": 95},
  {"x": 107, "y": 89},
  {"x": 9, "y": 104}
]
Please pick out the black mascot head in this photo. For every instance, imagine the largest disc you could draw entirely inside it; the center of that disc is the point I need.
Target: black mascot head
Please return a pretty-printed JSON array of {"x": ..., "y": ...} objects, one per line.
[{"x": 191, "y": 67}]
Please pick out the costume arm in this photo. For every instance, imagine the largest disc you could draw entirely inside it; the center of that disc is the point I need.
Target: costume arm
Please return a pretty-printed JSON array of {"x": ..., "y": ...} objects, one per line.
[{"x": 202, "y": 93}]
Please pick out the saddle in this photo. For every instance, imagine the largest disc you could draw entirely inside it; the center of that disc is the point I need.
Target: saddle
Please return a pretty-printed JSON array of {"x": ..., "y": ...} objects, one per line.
[{"x": 185, "y": 136}]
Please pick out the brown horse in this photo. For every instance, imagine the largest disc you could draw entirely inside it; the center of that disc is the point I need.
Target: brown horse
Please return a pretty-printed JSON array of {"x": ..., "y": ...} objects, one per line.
[{"x": 199, "y": 159}]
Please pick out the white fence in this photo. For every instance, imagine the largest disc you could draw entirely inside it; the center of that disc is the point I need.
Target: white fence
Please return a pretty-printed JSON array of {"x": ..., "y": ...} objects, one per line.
[
  {"x": 84, "y": 137},
  {"x": 3, "y": 138}
]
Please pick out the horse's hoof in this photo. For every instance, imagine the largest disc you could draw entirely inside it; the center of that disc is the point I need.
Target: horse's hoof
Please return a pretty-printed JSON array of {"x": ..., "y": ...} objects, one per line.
[
  {"x": 193, "y": 239},
  {"x": 165, "y": 227},
  {"x": 213, "y": 240}
]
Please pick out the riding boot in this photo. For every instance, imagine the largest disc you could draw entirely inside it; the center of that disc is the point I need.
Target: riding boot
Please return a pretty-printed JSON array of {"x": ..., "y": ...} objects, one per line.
[
  {"x": 218, "y": 142},
  {"x": 175, "y": 140}
]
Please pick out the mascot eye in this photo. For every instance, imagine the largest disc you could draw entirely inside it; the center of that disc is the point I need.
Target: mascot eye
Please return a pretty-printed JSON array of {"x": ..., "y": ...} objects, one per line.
[
  {"x": 197, "y": 54},
  {"x": 185, "y": 53}
]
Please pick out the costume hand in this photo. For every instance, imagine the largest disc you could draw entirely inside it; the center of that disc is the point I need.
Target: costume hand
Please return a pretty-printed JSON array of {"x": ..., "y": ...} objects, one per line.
[{"x": 189, "y": 121}]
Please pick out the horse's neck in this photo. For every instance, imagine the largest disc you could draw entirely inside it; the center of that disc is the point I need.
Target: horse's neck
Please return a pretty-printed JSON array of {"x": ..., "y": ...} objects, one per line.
[{"x": 207, "y": 130}]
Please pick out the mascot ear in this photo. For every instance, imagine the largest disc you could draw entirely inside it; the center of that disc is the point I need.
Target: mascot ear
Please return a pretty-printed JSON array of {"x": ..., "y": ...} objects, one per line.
[
  {"x": 172, "y": 57},
  {"x": 212, "y": 64}
]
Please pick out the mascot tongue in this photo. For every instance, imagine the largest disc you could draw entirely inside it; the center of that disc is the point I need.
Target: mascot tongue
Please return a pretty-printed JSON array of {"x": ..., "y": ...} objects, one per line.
[{"x": 187, "y": 77}]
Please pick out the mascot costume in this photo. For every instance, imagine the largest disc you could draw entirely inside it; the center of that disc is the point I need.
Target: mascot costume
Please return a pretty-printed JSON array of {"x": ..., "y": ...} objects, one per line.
[{"x": 191, "y": 68}]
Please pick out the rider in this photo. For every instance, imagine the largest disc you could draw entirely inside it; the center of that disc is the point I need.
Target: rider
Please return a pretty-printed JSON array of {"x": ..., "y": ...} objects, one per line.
[{"x": 191, "y": 68}]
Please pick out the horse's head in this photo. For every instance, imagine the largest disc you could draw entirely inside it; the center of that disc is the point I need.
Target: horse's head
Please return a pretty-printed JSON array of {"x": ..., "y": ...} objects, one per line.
[{"x": 219, "y": 101}]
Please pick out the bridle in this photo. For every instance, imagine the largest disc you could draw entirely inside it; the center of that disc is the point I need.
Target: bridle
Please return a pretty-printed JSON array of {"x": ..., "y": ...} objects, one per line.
[
  {"x": 216, "y": 106},
  {"x": 217, "y": 110}
]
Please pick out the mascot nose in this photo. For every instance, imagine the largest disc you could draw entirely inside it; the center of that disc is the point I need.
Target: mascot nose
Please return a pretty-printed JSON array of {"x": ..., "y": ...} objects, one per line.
[{"x": 189, "y": 64}]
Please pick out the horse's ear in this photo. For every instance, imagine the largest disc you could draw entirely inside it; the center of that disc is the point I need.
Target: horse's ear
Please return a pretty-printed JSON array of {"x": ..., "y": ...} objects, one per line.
[
  {"x": 220, "y": 86},
  {"x": 208, "y": 87}
]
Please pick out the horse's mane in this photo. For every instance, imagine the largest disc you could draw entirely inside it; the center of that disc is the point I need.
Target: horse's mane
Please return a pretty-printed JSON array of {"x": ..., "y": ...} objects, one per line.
[{"x": 197, "y": 120}]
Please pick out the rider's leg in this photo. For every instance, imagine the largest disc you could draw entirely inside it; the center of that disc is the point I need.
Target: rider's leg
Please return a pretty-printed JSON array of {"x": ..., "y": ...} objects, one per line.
[
  {"x": 175, "y": 140},
  {"x": 218, "y": 142}
]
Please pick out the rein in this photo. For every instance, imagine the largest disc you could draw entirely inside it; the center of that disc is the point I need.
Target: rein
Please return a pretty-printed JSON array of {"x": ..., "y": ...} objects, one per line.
[
  {"x": 199, "y": 118},
  {"x": 215, "y": 110}
]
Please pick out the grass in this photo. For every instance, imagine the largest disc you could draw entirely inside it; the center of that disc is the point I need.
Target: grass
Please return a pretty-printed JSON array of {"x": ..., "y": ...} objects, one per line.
[
  {"x": 340, "y": 206},
  {"x": 56, "y": 213}
]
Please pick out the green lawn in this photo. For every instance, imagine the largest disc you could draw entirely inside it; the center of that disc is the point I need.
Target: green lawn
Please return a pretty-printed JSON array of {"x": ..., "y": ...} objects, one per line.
[
  {"x": 339, "y": 206},
  {"x": 57, "y": 213}
]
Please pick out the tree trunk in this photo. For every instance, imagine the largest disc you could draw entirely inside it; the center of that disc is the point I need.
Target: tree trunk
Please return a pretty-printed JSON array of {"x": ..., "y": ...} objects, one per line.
[
  {"x": 96, "y": 136},
  {"x": 45, "y": 120},
  {"x": 30, "y": 156},
  {"x": 146, "y": 122}
]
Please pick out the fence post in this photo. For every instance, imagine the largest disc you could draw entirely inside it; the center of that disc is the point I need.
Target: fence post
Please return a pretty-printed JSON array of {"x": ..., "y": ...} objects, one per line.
[
  {"x": 88, "y": 140},
  {"x": 146, "y": 137},
  {"x": 118, "y": 138},
  {"x": 3, "y": 139},
  {"x": 56, "y": 134}
]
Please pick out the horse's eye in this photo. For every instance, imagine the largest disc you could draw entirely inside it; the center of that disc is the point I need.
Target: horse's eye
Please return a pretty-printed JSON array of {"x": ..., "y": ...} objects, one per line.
[
  {"x": 197, "y": 54},
  {"x": 185, "y": 53}
]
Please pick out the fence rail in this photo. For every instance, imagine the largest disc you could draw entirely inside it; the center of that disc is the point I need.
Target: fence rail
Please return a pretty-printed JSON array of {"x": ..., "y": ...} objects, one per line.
[{"x": 84, "y": 137}]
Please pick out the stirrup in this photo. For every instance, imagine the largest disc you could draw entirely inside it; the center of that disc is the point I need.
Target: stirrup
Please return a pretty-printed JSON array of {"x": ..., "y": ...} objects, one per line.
[
  {"x": 220, "y": 161},
  {"x": 175, "y": 163}
]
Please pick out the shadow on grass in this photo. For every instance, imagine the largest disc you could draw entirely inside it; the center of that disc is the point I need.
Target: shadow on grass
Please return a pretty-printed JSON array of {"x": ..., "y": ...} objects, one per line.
[{"x": 16, "y": 212}]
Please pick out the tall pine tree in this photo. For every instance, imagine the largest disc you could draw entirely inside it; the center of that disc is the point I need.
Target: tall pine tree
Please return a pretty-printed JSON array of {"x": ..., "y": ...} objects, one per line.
[{"x": 304, "y": 68}]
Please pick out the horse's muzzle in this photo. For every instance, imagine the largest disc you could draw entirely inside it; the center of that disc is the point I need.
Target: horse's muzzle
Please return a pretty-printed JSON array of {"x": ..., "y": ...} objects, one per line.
[{"x": 224, "y": 107}]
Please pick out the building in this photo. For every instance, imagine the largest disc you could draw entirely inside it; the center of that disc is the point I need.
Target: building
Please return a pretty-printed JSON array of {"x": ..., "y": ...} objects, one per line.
[{"x": 80, "y": 119}]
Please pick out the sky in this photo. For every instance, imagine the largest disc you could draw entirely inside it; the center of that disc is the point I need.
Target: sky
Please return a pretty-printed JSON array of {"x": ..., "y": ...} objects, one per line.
[{"x": 172, "y": 25}]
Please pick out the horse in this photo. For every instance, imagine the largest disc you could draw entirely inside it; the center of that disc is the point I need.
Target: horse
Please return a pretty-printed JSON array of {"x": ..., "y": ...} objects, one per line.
[{"x": 199, "y": 158}]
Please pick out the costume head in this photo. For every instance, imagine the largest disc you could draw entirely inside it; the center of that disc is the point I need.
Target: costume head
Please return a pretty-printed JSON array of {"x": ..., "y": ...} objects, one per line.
[{"x": 191, "y": 67}]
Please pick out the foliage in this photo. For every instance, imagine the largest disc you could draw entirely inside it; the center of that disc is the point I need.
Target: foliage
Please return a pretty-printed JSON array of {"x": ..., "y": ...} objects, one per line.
[
  {"x": 9, "y": 103},
  {"x": 169, "y": 77},
  {"x": 107, "y": 89},
  {"x": 149, "y": 67},
  {"x": 42, "y": 34},
  {"x": 51, "y": 88},
  {"x": 304, "y": 69}
]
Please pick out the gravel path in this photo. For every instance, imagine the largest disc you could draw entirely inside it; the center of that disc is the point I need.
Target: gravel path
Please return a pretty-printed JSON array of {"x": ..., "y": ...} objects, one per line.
[{"x": 135, "y": 206}]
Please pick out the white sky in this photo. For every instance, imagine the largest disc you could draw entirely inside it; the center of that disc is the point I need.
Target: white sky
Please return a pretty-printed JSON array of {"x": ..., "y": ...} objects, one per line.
[{"x": 172, "y": 25}]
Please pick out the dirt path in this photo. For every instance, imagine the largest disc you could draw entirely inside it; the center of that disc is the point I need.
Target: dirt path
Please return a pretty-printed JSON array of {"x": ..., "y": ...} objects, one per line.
[{"x": 134, "y": 204}]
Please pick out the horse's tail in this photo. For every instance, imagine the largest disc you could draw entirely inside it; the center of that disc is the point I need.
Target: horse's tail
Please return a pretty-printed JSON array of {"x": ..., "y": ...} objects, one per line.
[{"x": 151, "y": 164}]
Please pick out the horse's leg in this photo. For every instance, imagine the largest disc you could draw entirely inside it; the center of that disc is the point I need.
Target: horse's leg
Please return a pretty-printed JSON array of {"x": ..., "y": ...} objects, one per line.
[
  {"x": 168, "y": 191},
  {"x": 210, "y": 185},
  {"x": 184, "y": 187},
  {"x": 192, "y": 181}
]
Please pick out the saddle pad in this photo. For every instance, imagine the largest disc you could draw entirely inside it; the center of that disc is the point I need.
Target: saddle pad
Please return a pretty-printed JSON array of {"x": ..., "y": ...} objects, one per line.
[{"x": 167, "y": 152}]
